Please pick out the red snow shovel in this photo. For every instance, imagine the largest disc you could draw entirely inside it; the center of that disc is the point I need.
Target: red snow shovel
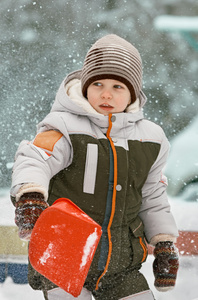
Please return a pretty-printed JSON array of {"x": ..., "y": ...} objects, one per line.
[{"x": 63, "y": 244}]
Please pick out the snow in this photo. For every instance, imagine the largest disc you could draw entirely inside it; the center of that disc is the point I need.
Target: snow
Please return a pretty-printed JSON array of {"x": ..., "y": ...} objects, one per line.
[
  {"x": 28, "y": 35},
  {"x": 176, "y": 23},
  {"x": 47, "y": 253},
  {"x": 38, "y": 33},
  {"x": 186, "y": 286},
  {"x": 89, "y": 248},
  {"x": 185, "y": 289},
  {"x": 187, "y": 222},
  {"x": 7, "y": 209},
  {"x": 182, "y": 165},
  {"x": 9, "y": 290}
]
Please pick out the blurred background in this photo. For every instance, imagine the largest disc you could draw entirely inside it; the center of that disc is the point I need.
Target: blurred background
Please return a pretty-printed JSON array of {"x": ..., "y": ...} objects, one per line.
[{"x": 41, "y": 42}]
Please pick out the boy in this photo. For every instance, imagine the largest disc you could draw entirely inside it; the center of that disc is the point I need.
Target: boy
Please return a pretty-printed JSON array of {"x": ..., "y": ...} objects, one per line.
[{"x": 96, "y": 149}]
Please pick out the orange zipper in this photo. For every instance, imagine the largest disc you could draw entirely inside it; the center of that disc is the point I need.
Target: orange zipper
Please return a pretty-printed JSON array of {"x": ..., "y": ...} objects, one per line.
[
  {"x": 144, "y": 249},
  {"x": 113, "y": 201}
]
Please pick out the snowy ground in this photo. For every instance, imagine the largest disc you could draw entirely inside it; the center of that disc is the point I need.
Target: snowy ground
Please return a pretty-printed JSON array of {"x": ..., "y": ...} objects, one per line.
[{"x": 186, "y": 288}]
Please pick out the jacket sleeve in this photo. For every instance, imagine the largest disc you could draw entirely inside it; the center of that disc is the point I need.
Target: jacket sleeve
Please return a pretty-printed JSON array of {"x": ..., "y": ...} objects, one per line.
[
  {"x": 37, "y": 161},
  {"x": 155, "y": 211}
]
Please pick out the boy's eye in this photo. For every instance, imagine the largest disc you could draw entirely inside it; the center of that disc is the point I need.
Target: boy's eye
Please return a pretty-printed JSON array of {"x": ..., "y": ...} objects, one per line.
[
  {"x": 97, "y": 83},
  {"x": 117, "y": 86}
]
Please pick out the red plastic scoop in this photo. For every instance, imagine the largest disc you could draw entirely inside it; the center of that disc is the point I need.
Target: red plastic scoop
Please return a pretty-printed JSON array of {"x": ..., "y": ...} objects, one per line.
[{"x": 63, "y": 244}]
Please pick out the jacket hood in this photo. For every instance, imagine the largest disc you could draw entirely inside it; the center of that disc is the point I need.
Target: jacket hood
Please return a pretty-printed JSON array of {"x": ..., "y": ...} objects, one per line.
[{"x": 69, "y": 98}]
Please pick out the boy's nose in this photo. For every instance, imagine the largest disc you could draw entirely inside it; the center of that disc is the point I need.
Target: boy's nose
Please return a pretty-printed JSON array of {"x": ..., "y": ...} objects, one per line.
[{"x": 106, "y": 95}]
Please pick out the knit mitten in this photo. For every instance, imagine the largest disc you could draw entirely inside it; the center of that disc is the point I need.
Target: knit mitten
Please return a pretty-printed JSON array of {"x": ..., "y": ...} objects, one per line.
[
  {"x": 165, "y": 265},
  {"x": 28, "y": 209}
]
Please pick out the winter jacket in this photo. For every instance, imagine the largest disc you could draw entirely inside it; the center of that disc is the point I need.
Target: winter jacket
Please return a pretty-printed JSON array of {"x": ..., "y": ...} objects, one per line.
[{"x": 110, "y": 166}]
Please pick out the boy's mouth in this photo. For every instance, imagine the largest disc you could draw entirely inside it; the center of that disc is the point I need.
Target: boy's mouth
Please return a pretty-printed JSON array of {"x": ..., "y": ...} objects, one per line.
[{"x": 106, "y": 106}]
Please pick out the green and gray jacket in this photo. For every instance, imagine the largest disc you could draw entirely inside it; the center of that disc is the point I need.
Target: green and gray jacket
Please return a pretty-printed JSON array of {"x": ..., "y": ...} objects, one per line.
[{"x": 110, "y": 166}]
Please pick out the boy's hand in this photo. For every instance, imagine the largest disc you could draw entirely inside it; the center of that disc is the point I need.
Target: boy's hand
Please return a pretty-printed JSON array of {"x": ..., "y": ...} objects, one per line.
[
  {"x": 165, "y": 265},
  {"x": 28, "y": 209}
]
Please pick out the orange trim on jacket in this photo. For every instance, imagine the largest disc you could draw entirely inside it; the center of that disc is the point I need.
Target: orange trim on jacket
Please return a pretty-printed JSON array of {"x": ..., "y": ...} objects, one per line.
[
  {"x": 113, "y": 208},
  {"x": 47, "y": 139},
  {"x": 113, "y": 200},
  {"x": 144, "y": 249}
]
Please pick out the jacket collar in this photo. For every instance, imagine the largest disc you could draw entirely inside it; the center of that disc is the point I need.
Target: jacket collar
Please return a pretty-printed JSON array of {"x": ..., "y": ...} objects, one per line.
[{"x": 69, "y": 98}]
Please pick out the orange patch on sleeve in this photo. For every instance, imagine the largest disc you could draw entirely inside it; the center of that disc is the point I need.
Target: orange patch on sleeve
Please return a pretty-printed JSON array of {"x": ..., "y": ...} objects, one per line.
[{"x": 47, "y": 139}]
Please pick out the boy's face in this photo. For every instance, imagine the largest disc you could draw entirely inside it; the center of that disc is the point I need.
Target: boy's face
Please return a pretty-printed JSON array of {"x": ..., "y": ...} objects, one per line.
[{"x": 108, "y": 96}]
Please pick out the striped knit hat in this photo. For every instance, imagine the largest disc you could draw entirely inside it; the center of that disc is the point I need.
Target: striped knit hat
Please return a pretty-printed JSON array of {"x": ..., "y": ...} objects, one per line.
[{"x": 112, "y": 57}]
